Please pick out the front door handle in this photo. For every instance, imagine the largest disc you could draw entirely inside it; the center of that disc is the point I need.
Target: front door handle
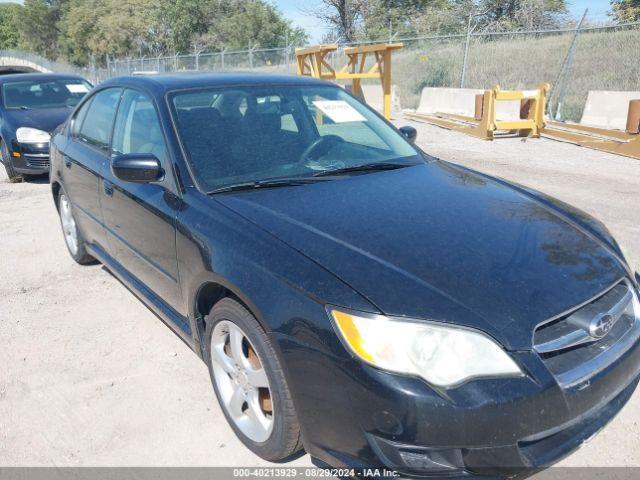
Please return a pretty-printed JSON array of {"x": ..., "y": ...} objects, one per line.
[
  {"x": 108, "y": 188},
  {"x": 67, "y": 161}
]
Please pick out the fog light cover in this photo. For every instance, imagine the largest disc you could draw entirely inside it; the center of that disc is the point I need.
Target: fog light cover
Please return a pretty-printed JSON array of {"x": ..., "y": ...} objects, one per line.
[{"x": 417, "y": 460}]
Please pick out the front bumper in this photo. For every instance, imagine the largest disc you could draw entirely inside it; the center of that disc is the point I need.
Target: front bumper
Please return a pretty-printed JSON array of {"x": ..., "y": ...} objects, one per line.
[
  {"x": 33, "y": 159},
  {"x": 356, "y": 416}
]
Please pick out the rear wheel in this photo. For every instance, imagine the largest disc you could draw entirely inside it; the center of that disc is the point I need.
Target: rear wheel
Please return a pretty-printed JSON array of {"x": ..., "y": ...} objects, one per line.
[
  {"x": 72, "y": 237},
  {"x": 14, "y": 177},
  {"x": 249, "y": 382}
]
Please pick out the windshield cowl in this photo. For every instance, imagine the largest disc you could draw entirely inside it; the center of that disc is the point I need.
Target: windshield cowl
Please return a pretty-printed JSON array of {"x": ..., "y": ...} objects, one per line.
[
  {"x": 271, "y": 183},
  {"x": 363, "y": 168}
]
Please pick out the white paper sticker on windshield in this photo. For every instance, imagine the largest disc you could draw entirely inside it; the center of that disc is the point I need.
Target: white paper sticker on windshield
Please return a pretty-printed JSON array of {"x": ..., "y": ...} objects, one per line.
[
  {"x": 339, "y": 111},
  {"x": 77, "y": 87}
]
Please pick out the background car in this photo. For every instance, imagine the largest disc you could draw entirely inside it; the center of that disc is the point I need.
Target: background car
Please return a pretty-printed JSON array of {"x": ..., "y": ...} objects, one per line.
[{"x": 32, "y": 105}]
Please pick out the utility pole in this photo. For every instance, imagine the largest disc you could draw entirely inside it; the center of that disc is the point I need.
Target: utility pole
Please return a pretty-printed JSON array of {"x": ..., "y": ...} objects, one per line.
[
  {"x": 470, "y": 29},
  {"x": 565, "y": 69},
  {"x": 466, "y": 49}
]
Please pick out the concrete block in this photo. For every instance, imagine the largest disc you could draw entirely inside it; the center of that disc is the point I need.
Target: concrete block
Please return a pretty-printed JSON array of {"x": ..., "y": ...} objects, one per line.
[
  {"x": 461, "y": 101},
  {"x": 607, "y": 109}
]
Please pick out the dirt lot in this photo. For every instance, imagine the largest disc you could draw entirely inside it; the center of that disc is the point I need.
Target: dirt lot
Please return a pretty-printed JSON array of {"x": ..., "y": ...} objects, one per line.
[{"x": 91, "y": 377}]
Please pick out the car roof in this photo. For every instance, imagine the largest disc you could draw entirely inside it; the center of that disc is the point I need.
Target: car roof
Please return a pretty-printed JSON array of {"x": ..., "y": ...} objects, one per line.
[
  {"x": 18, "y": 77},
  {"x": 162, "y": 83}
]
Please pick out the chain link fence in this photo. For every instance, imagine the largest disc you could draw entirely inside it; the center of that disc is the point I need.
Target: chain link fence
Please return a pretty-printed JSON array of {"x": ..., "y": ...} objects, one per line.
[{"x": 603, "y": 58}]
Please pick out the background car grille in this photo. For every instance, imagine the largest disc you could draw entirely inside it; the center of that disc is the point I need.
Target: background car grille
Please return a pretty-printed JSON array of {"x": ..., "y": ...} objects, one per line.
[
  {"x": 585, "y": 341},
  {"x": 41, "y": 161}
]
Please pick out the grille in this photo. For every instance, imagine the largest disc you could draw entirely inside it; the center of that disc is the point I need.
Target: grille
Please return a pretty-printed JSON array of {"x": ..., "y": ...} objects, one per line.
[
  {"x": 585, "y": 341},
  {"x": 37, "y": 160}
]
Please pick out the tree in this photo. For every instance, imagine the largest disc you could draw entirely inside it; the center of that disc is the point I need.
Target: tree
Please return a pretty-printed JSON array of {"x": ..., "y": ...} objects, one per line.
[
  {"x": 39, "y": 26},
  {"x": 97, "y": 28},
  {"x": 625, "y": 11},
  {"x": 254, "y": 22},
  {"x": 10, "y": 14},
  {"x": 343, "y": 17},
  {"x": 520, "y": 14},
  {"x": 415, "y": 17}
]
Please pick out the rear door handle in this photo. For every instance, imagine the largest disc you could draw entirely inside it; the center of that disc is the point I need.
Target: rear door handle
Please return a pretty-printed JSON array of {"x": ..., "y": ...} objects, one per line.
[{"x": 108, "y": 188}]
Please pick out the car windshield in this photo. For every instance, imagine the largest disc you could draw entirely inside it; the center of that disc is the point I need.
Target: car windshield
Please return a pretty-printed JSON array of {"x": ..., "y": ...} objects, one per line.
[
  {"x": 33, "y": 94},
  {"x": 251, "y": 134}
]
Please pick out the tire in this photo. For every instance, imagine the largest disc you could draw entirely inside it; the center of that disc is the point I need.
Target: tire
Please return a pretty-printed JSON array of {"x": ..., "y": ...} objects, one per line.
[
  {"x": 72, "y": 237},
  {"x": 282, "y": 439},
  {"x": 14, "y": 177}
]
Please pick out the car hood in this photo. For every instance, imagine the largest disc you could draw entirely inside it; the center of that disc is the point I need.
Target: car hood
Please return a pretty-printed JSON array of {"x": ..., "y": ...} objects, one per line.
[
  {"x": 46, "y": 119},
  {"x": 438, "y": 242}
]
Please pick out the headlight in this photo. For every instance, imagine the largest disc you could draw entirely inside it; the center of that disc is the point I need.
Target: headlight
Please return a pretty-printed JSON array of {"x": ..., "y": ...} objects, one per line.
[
  {"x": 31, "y": 135},
  {"x": 444, "y": 356}
]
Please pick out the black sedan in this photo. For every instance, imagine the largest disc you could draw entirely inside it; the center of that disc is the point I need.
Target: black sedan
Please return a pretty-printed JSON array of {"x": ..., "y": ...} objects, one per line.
[
  {"x": 32, "y": 105},
  {"x": 350, "y": 294}
]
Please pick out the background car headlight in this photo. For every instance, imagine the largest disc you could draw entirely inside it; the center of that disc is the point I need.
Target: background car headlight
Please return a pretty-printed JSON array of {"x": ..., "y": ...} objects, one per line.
[
  {"x": 444, "y": 356},
  {"x": 31, "y": 135}
]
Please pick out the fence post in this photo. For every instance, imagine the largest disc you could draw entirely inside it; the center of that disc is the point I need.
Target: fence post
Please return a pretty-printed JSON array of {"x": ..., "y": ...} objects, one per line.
[
  {"x": 466, "y": 50},
  {"x": 175, "y": 62},
  {"x": 108, "y": 67},
  {"x": 565, "y": 69},
  {"x": 250, "y": 57},
  {"x": 142, "y": 63},
  {"x": 288, "y": 51},
  {"x": 197, "y": 60},
  {"x": 158, "y": 64},
  {"x": 222, "y": 59}
]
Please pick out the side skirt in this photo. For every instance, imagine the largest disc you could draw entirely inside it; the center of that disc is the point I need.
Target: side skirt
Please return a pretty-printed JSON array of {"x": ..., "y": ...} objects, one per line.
[{"x": 179, "y": 324}]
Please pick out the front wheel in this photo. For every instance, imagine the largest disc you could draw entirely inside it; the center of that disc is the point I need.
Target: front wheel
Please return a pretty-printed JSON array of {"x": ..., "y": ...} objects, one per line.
[
  {"x": 14, "y": 177},
  {"x": 249, "y": 382},
  {"x": 72, "y": 237}
]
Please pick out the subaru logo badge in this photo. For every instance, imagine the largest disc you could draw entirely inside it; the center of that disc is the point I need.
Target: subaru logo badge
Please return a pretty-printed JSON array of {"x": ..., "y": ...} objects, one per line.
[{"x": 601, "y": 325}]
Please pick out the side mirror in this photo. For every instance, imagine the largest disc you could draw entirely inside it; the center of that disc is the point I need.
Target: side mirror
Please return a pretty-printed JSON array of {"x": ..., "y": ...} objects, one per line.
[
  {"x": 137, "y": 167},
  {"x": 409, "y": 132}
]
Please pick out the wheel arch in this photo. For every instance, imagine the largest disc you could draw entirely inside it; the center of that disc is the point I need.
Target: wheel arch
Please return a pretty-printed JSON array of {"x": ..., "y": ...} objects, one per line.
[
  {"x": 211, "y": 289},
  {"x": 55, "y": 191}
]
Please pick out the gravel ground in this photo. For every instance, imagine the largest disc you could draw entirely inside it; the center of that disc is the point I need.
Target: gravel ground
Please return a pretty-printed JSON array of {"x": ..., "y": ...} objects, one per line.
[{"x": 91, "y": 377}]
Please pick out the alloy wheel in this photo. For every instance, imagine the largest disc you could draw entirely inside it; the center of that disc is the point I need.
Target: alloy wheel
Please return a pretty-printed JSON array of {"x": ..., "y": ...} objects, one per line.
[
  {"x": 242, "y": 381},
  {"x": 68, "y": 225}
]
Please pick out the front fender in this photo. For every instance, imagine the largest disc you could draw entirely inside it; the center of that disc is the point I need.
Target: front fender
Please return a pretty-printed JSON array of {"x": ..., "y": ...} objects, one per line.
[{"x": 285, "y": 290}]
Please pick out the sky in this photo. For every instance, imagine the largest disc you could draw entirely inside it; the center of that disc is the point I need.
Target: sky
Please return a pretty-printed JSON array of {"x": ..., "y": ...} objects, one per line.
[{"x": 294, "y": 10}]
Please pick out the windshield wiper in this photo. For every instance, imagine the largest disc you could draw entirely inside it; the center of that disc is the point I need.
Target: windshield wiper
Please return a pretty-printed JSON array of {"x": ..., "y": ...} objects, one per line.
[
  {"x": 276, "y": 182},
  {"x": 366, "y": 167}
]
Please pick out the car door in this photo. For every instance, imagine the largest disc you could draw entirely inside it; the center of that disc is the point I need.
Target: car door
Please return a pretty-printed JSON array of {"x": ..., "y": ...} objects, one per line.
[
  {"x": 140, "y": 217},
  {"x": 85, "y": 158}
]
